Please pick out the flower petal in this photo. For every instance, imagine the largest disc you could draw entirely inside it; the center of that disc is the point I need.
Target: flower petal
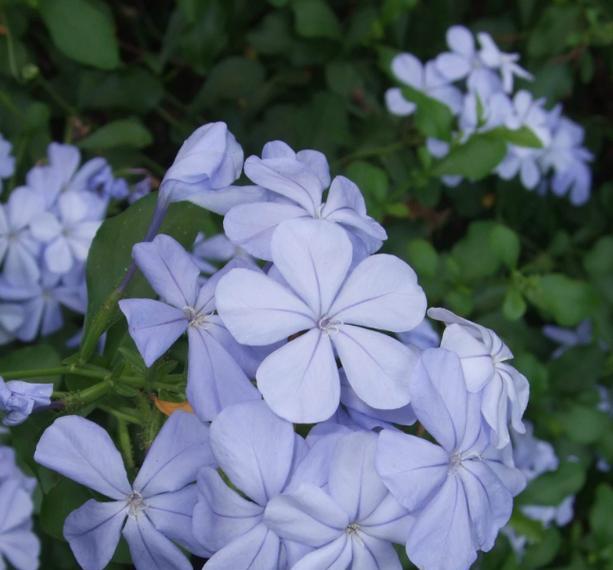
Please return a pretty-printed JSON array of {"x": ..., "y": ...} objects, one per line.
[
  {"x": 84, "y": 452},
  {"x": 397, "y": 104},
  {"x": 93, "y": 532},
  {"x": 382, "y": 293},
  {"x": 150, "y": 549},
  {"x": 412, "y": 468},
  {"x": 336, "y": 555},
  {"x": 154, "y": 326},
  {"x": 408, "y": 69},
  {"x": 377, "y": 366},
  {"x": 313, "y": 256},
  {"x": 370, "y": 553},
  {"x": 259, "y": 311},
  {"x": 300, "y": 381},
  {"x": 241, "y": 439},
  {"x": 179, "y": 451},
  {"x": 169, "y": 269}
]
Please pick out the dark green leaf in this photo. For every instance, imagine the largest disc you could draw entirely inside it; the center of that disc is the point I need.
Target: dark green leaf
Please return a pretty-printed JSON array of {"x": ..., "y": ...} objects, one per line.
[
  {"x": 315, "y": 19},
  {"x": 125, "y": 132},
  {"x": 432, "y": 118}
]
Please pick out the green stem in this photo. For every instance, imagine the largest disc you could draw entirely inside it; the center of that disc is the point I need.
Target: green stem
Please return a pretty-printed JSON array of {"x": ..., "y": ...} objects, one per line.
[
  {"x": 100, "y": 323},
  {"x": 125, "y": 443}
]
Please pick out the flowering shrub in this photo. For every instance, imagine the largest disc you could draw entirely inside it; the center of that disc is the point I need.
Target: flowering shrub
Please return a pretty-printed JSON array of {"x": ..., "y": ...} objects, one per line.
[{"x": 346, "y": 328}]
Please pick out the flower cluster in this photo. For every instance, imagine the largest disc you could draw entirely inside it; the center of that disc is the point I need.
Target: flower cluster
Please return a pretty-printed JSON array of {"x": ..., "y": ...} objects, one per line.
[
  {"x": 476, "y": 84},
  {"x": 46, "y": 229},
  {"x": 19, "y": 546},
  {"x": 311, "y": 327}
]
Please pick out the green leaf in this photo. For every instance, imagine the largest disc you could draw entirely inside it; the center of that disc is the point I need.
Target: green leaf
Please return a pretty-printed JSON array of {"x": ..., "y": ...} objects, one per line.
[
  {"x": 432, "y": 118},
  {"x": 121, "y": 133},
  {"x": 83, "y": 30},
  {"x": 29, "y": 357},
  {"x": 567, "y": 300},
  {"x": 315, "y": 19},
  {"x": 523, "y": 136},
  {"x": 423, "y": 257},
  {"x": 513, "y": 306},
  {"x": 600, "y": 514},
  {"x": 372, "y": 181},
  {"x": 111, "y": 252},
  {"x": 474, "y": 255},
  {"x": 584, "y": 425},
  {"x": 553, "y": 487},
  {"x": 64, "y": 498},
  {"x": 474, "y": 159},
  {"x": 505, "y": 243},
  {"x": 578, "y": 368},
  {"x": 599, "y": 264},
  {"x": 543, "y": 552}
]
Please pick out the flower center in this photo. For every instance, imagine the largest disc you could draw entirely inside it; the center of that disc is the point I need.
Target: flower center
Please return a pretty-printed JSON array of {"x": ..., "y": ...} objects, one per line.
[
  {"x": 329, "y": 326},
  {"x": 353, "y": 528},
  {"x": 136, "y": 504},
  {"x": 196, "y": 318},
  {"x": 457, "y": 458}
]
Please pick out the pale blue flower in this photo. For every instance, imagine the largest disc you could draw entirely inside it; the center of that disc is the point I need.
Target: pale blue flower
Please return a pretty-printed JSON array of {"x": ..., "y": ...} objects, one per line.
[
  {"x": 424, "y": 78},
  {"x": 483, "y": 355},
  {"x": 152, "y": 513},
  {"x": 336, "y": 308},
  {"x": 19, "y": 546},
  {"x": 10, "y": 471},
  {"x": 296, "y": 182},
  {"x": 18, "y": 399},
  {"x": 257, "y": 452},
  {"x": 11, "y": 319},
  {"x": 205, "y": 169},
  {"x": 569, "y": 338},
  {"x": 41, "y": 303},
  {"x": 215, "y": 376},
  {"x": 459, "y": 492},
  {"x": 352, "y": 521},
  {"x": 19, "y": 249},
  {"x": 210, "y": 252},
  {"x": 423, "y": 336},
  {"x": 67, "y": 235}
]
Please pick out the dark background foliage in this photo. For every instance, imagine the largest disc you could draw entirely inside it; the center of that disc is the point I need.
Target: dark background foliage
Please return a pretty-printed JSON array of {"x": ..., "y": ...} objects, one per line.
[{"x": 129, "y": 80}]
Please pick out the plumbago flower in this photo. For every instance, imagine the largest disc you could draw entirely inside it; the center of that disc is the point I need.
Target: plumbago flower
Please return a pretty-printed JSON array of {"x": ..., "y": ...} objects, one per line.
[
  {"x": 11, "y": 318},
  {"x": 152, "y": 513},
  {"x": 351, "y": 521},
  {"x": 460, "y": 492},
  {"x": 209, "y": 252},
  {"x": 19, "y": 399},
  {"x": 335, "y": 308},
  {"x": 215, "y": 377},
  {"x": 233, "y": 524},
  {"x": 206, "y": 166},
  {"x": 7, "y": 160},
  {"x": 296, "y": 183},
  {"x": 483, "y": 355}
]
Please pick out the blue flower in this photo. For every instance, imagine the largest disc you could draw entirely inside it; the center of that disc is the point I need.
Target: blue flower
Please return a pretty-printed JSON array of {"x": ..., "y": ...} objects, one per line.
[
  {"x": 296, "y": 183},
  {"x": 337, "y": 309},
  {"x": 152, "y": 513},
  {"x": 459, "y": 492},
  {"x": 215, "y": 377},
  {"x": 7, "y": 160},
  {"x": 19, "y": 399},
  {"x": 257, "y": 452},
  {"x": 11, "y": 319},
  {"x": 18, "y": 544},
  {"x": 349, "y": 522},
  {"x": 483, "y": 355},
  {"x": 205, "y": 168}
]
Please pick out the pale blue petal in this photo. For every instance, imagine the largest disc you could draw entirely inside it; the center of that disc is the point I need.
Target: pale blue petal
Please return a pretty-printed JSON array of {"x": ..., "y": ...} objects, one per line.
[
  {"x": 412, "y": 468},
  {"x": 370, "y": 553},
  {"x": 169, "y": 269},
  {"x": 300, "y": 381},
  {"x": 215, "y": 380},
  {"x": 254, "y": 448},
  {"x": 336, "y": 555},
  {"x": 93, "y": 532},
  {"x": 381, "y": 292},
  {"x": 154, "y": 326},
  {"x": 84, "y": 452},
  {"x": 257, "y": 310},
  {"x": 313, "y": 256},
  {"x": 390, "y": 521},
  {"x": 150, "y": 549}
]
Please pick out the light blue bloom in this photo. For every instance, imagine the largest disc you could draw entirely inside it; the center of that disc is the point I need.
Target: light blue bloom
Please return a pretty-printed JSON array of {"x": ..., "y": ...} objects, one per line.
[
  {"x": 19, "y": 249},
  {"x": 19, "y": 399},
  {"x": 11, "y": 319},
  {"x": 569, "y": 338},
  {"x": 296, "y": 182},
  {"x": 336, "y": 308},
  {"x": 209, "y": 252},
  {"x": 422, "y": 336},
  {"x": 459, "y": 492},
  {"x": 215, "y": 376},
  {"x": 257, "y": 451},
  {"x": 205, "y": 169},
  {"x": 152, "y": 513},
  {"x": 7, "y": 160},
  {"x": 67, "y": 235},
  {"x": 423, "y": 78},
  {"x": 18, "y": 544},
  {"x": 352, "y": 521},
  {"x": 483, "y": 355},
  {"x": 10, "y": 471},
  {"x": 41, "y": 303}
]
